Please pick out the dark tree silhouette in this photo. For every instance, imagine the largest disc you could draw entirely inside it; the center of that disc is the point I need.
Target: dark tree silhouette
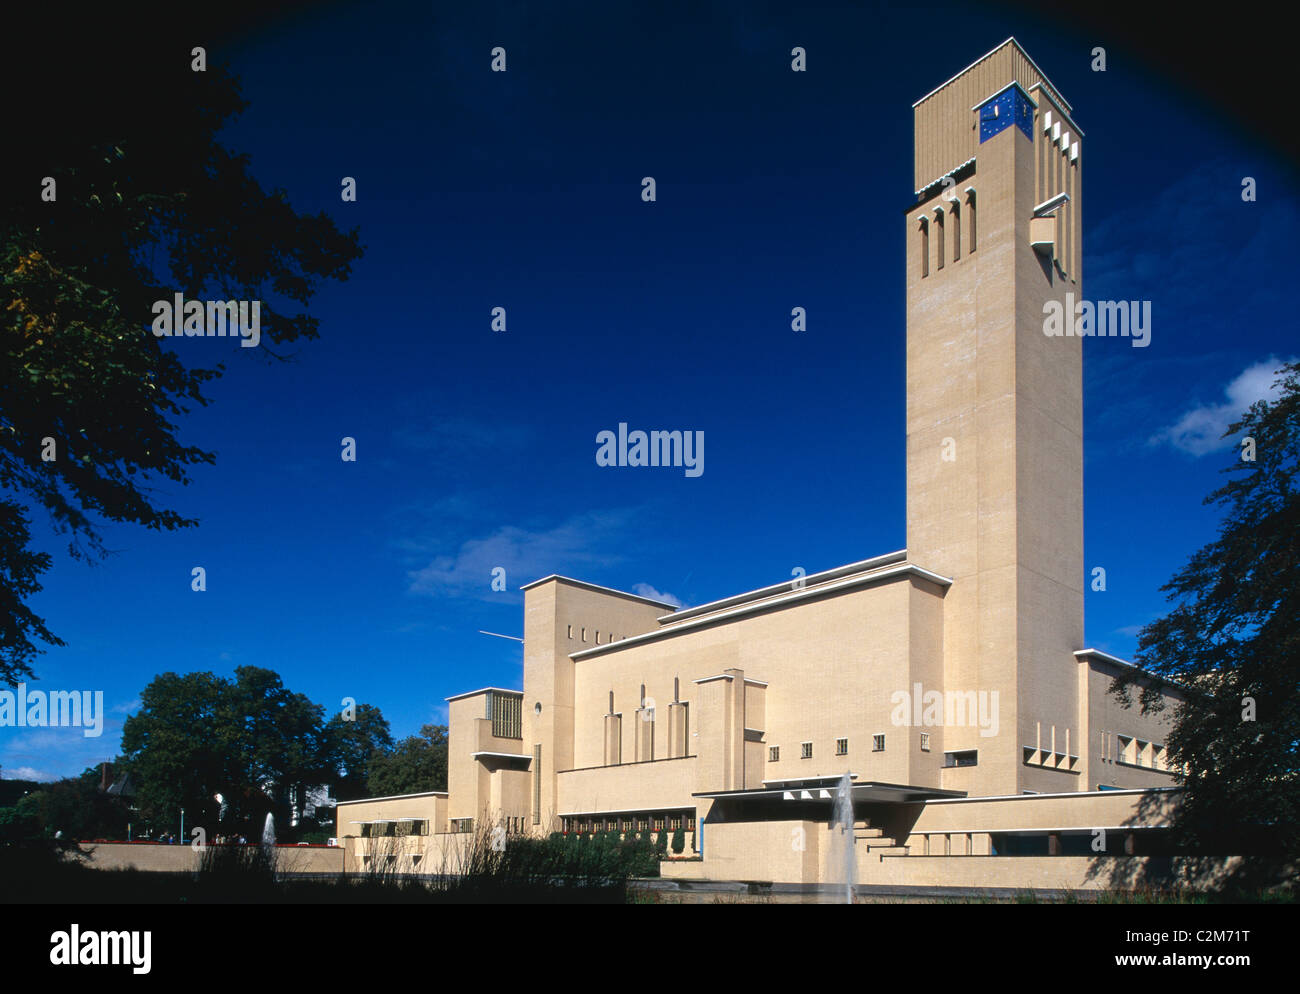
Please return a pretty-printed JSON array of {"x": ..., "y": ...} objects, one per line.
[
  {"x": 1233, "y": 639},
  {"x": 146, "y": 203}
]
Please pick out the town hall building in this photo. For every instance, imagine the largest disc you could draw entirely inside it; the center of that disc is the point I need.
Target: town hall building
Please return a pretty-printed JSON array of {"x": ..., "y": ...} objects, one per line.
[{"x": 949, "y": 681}]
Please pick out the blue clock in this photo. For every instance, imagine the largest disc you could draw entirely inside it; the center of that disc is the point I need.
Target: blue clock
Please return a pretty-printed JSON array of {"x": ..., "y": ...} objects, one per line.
[{"x": 1009, "y": 107}]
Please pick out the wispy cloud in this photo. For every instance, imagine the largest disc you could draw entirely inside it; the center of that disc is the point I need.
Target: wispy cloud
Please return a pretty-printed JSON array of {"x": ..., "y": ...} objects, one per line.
[
  {"x": 65, "y": 749},
  {"x": 1201, "y": 429},
  {"x": 645, "y": 590},
  {"x": 29, "y": 773},
  {"x": 583, "y": 543}
]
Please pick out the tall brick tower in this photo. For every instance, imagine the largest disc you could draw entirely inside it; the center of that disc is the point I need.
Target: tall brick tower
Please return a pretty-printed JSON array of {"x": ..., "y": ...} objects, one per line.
[{"x": 995, "y": 411}]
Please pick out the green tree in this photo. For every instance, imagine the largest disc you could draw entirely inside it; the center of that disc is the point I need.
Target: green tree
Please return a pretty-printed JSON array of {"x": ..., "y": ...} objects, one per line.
[
  {"x": 251, "y": 740},
  {"x": 1233, "y": 638},
  {"x": 275, "y": 741},
  {"x": 176, "y": 746},
  {"x": 147, "y": 203},
  {"x": 418, "y": 763},
  {"x": 355, "y": 747},
  {"x": 76, "y": 810}
]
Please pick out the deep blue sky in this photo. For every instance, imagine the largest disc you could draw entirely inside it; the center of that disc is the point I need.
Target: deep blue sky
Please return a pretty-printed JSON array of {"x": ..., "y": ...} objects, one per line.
[{"x": 522, "y": 190}]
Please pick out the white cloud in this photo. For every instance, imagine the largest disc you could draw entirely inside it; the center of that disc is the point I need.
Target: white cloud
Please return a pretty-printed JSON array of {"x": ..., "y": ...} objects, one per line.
[
  {"x": 1201, "y": 429},
  {"x": 576, "y": 546},
  {"x": 29, "y": 773},
  {"x": 645, "y": 590}
]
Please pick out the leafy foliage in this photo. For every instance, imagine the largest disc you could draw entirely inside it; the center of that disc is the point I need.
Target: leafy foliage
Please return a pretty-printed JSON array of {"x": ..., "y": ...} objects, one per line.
[
  {"x": 418, "y": 763},
  {"x": 356, "y": 747},
  {"x": 147, "y": 203},
  {"x": 1233, "y": 638},
  {"x": 250, "y": 740}
]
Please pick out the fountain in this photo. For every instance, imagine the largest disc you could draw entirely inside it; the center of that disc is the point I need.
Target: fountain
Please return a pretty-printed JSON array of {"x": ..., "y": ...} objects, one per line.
[
  {"x": 268, "y": 835},
  {"x": 842, "y": 864}
]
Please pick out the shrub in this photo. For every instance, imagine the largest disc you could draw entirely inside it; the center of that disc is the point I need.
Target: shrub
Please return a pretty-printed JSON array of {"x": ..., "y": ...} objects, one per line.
[{"x": 679, "y": 841}]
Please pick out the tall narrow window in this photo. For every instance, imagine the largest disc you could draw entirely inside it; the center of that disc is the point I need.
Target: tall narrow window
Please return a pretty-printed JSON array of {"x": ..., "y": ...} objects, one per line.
[
  {"x": 970, "y": 215},
  {"x": 537, "y": 784},
  {"x": 956, "y": 231},
  {"x": 925, "y": 247},
  {"x": 938, "y": 236}
]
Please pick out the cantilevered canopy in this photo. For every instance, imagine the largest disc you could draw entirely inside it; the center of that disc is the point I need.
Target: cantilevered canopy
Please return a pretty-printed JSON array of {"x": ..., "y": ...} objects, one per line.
[{"x": 824, "y": 789}]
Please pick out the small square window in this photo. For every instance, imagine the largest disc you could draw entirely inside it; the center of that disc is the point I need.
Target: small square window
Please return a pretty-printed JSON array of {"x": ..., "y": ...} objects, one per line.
[
  {"x": 805, "y": 750},
  {"x": 841, "y": 747},
  {"x": 773, "y": 754},
  {"x": 925, "y": 741},
  {"x": 877, "y": 743}
]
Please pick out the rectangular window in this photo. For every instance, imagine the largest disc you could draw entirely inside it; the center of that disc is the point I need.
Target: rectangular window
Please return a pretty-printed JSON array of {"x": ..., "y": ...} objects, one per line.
[
  {"x": 1127, "y": 749},
  {"x": 925, "y": 741},
  {"x": 506, "y": 712},
  {"x": 877, "y": 743},
  {"x": 967, "y": 757},
  {"x": 805, "y": 750},
  {"x": 570, "y": 631},
  {"x": 841, "y": 747},
  {"x": 773, "y": 754}
]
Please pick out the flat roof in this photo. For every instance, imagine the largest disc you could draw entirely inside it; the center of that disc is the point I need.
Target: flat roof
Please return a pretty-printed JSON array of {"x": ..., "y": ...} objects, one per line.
[
  {"x": 903, "y": 569},
  {"x": 484, "y": 690},
  {"x": 776, "y": 588},
  {"x": 1107, "y": 657},
  {"x": 393, "y": 797},
  {"x": 997, "y": 48},
  {"x": 599, "y": 589}
]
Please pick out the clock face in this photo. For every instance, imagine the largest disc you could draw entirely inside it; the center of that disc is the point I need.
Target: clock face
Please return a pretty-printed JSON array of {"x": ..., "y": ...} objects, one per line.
[{"x": 1009, "y": 107}]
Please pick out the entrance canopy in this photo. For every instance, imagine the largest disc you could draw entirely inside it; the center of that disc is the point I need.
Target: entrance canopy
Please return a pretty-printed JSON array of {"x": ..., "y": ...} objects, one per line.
[{"x": 824, "y": 789}]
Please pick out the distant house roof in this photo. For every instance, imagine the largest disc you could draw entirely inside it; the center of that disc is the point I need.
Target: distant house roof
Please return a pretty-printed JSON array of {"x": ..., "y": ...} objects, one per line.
[{"x": 124, "y": 786}]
